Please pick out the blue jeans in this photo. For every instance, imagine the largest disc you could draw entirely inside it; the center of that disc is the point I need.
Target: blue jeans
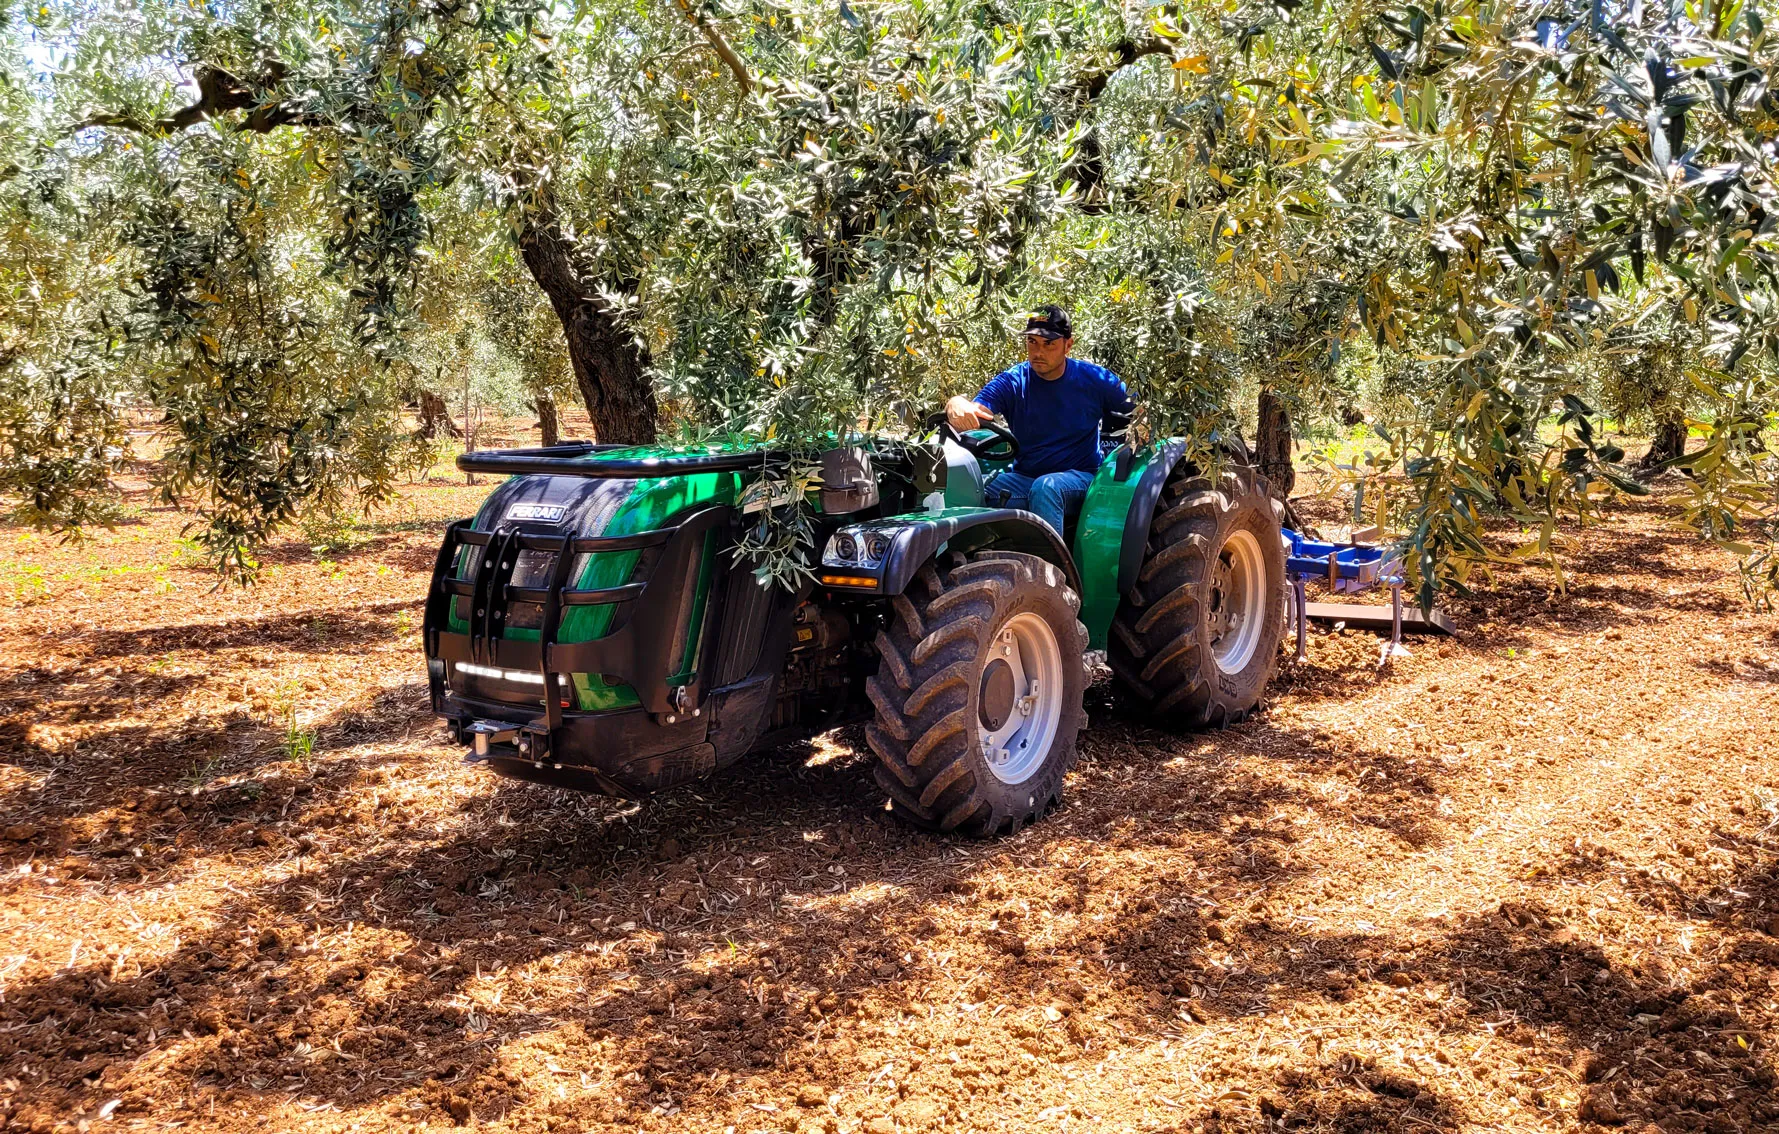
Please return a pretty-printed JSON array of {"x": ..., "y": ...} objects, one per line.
[{"x": 1051, "y": 496}]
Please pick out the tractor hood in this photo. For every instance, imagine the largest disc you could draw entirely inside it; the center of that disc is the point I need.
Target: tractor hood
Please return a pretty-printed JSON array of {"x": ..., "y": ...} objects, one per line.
[{"x": 554, "y": 504}]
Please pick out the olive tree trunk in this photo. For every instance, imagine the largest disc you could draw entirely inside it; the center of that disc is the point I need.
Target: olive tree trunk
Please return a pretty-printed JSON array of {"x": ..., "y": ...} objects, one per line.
[
  {"x": 1272, "y": 445},
  {"x": 549, "y": 425},
  {"x": 1669, "y": 442},
  {"x": 1272, "y": 454},
  {"x": 610, "y": 366},
  {"x": 435, "y": 417}
]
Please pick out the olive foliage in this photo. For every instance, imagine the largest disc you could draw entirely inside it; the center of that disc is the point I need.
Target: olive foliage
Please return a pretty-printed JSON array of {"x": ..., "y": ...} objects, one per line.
[
  {"x": 1512, "y": 198},
  {"x": 791, "y": 218},
  {"x": 244, "y": 271}
]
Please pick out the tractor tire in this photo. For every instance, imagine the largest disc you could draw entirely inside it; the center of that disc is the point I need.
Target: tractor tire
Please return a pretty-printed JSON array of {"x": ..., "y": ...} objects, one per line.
[
  {"x": 979, "y": 694},
  {"x": 1196, "y": 639}
]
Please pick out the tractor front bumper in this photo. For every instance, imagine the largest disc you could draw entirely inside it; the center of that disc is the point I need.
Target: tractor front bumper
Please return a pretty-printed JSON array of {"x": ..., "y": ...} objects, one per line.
[
  {"x": 629, "y": 753},
  {"x": 509, "y": 695}
]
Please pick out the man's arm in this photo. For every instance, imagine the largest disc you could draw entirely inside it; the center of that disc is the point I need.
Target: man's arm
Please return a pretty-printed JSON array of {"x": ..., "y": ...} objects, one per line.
[
  {"x": 1116, "y": 408},
  {"x": 966, "y": 413},
  {"x": 1117, "y": 397},
  {"x": 1116, "y": 404}
]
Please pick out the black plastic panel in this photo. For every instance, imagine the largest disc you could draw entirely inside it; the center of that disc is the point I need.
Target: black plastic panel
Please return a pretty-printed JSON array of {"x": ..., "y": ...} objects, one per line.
[
  {"x": 916, "y": 538},
  {"x": 1135, "y": 540}
]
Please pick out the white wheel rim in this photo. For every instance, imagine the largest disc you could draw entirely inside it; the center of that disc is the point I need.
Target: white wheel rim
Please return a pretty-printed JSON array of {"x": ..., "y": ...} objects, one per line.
[
  {"x": 1016, "y": 750},
  {"x": 1238, "y": 601}
]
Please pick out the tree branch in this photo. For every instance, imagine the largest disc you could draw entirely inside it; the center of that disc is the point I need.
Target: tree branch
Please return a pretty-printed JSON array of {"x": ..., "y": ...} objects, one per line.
[
  {"x": 1091, "y": 167},
  {"x": 719, "y": 45},
  {"x": 1128, "y": 51},
  {"x": 218, "y": 93}
]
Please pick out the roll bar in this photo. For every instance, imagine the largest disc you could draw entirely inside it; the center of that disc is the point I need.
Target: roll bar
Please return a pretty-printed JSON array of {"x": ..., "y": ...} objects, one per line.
[{"x": 570, "y": 460}]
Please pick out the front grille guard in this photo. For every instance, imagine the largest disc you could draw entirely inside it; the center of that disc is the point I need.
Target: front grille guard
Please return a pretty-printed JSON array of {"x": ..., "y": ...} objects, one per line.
[{"x": 637, "y": 653}]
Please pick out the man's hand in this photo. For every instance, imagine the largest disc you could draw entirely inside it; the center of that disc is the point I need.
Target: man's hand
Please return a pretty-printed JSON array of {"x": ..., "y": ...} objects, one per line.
[{"x": 964, "y": 414}]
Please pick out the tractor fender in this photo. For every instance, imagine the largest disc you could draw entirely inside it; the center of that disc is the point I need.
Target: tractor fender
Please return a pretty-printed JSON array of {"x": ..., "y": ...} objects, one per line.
[
  {"x": 907, "y": 541},
  {"x": 1150, "y": 481}
]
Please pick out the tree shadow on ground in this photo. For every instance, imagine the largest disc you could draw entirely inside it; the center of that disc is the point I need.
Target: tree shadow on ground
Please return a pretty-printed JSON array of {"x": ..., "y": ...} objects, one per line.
[
  {"x": 1610, "y": 601},
  {"x": 1747, "y": 672},
  {"x": 1607, "y": 1044},
  {"x": 1584, "y": 1039},
  {"x": 103, "y": 730},
  {"x": 321, "y": 630},
  {"x": 783, "y": 874},
  {"x": 1637, "y": 1043},
  {"x": 1339, "y": 666},
  {"x": 394, "y": 544},
  {"x": 145, "y": 769},
  {"x": 702, "y": 946}
]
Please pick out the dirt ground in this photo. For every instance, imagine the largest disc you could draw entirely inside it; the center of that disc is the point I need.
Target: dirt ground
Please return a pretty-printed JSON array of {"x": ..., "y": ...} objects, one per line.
[{"x": 1527, "y": 879}]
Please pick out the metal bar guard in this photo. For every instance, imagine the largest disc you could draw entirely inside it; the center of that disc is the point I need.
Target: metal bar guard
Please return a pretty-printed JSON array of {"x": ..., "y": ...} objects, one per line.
[{"x": 636, "y": 653}]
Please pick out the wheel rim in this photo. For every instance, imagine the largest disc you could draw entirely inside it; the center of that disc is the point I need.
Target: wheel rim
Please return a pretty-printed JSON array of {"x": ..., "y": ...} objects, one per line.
[
  {"x": 1025, "y": 650},
  {"x": 1238, "y": 601}
]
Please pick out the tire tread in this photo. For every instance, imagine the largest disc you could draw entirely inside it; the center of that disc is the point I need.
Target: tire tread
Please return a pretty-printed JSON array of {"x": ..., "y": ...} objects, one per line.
[
  {"x": 921, "y": 693},
  {"x": 1154, "y": 647}
]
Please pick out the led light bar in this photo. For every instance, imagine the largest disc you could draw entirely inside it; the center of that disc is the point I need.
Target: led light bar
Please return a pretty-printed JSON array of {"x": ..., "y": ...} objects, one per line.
[{"x": 516, "y": 676}]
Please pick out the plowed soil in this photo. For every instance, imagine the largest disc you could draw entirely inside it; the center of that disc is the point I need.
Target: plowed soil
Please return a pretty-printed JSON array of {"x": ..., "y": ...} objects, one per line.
[{"x": 1526, "y": 879}]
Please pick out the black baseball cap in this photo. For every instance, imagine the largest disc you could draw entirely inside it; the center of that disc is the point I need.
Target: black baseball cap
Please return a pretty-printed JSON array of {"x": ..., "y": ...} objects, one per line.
[{"x": 1050, "y": 322}]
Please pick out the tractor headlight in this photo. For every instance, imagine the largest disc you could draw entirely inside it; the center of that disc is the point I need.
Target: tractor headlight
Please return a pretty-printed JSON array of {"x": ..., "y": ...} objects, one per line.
[{"x": 864, "y": 547}]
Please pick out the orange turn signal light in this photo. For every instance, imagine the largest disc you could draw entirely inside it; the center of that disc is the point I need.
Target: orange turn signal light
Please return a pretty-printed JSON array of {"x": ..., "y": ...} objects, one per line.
[{"x": 849, "y": 580}]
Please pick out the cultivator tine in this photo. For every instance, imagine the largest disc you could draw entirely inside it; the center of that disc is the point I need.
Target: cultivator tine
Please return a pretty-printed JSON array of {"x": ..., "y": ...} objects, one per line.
[{"x": 1299, "y": 614}]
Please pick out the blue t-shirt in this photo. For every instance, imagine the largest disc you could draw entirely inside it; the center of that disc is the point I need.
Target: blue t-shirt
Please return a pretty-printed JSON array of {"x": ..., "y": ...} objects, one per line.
[{"x": 1057, "y": 422}]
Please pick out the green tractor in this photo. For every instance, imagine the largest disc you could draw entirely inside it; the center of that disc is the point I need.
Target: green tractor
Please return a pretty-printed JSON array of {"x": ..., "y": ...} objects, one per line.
[{"x": 595, "y": 626}]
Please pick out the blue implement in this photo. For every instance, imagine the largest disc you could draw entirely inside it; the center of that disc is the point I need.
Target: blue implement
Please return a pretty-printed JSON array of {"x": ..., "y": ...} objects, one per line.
[{"x": 1347, "y": 567}]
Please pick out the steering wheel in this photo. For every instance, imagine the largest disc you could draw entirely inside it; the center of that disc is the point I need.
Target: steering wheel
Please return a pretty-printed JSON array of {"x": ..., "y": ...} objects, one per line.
[{"x": 1003, "y": 446}]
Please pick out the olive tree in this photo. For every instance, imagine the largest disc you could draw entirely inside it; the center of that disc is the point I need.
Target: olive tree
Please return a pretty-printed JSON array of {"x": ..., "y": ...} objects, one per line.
[
  {"x": 790, "y": 218},
  {"x": 1494, "y": 191}
]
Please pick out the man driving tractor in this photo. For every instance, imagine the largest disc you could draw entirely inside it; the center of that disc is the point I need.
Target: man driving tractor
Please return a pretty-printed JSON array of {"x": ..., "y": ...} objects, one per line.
[
  {"x": 976, "y": 621},
  {"x": 1054, "y": 406}
]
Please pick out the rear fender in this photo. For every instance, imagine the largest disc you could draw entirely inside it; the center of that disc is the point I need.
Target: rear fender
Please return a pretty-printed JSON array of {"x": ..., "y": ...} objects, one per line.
[
  {"x": 1113, "y": 532},
  {"x": 1114, "y": 528},
  {"x": 889, "y": 551}
]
